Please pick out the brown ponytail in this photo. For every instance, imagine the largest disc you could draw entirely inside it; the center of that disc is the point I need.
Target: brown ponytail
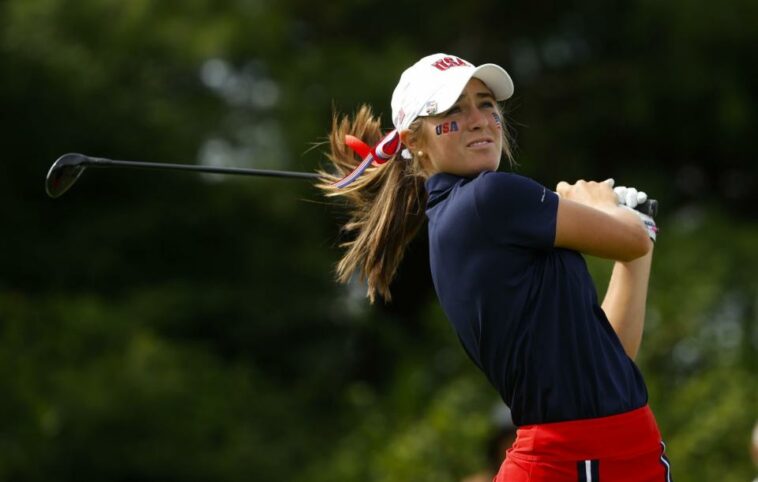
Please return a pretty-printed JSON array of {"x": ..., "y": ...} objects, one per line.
[{"x": 385, "y": 204}]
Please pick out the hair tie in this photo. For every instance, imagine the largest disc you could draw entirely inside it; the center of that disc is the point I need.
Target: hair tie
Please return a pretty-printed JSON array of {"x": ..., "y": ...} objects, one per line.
[{"x": 382, "y": 152}]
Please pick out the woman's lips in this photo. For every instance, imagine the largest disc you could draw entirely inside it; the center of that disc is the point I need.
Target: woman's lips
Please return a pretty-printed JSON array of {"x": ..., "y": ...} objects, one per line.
[{"x": 482, "y": 142}]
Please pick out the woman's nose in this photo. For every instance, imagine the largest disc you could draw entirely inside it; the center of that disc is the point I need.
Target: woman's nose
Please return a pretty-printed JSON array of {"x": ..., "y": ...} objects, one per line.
[{"x": 476, "y": 118}]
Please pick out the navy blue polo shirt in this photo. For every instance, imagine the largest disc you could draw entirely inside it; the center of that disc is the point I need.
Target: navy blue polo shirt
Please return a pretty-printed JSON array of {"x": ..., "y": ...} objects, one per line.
[{"x": 526, "y": 312}]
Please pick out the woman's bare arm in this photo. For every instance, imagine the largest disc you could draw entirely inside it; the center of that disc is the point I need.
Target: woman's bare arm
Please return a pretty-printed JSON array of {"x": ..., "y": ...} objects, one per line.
[{"x": 625, "y": 301}]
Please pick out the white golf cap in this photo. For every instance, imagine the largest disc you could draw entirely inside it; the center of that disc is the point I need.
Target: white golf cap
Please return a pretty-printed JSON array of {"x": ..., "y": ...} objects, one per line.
[{"x": 433, "y": 84}]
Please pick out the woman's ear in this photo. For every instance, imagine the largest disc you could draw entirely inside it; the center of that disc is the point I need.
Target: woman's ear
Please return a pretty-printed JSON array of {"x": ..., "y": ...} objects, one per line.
[
  {"x": 407, "y": 139},
  {"x": 412, "y": 141},
  {"x": 416, "y": 146}
]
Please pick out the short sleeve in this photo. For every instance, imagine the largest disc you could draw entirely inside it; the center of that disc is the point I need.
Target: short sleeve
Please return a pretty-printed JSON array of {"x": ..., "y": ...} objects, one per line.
[{"x": 516, "y": 210}]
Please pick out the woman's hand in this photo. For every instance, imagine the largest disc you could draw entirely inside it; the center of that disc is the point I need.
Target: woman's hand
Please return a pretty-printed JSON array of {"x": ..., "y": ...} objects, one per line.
[
  {"x": 598, "y": 195},
  {"x": 591, "y": 221}
]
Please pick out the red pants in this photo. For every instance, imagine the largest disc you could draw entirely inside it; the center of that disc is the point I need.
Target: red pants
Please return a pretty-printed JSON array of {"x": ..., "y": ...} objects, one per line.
[{"x": 619, "y": 448}]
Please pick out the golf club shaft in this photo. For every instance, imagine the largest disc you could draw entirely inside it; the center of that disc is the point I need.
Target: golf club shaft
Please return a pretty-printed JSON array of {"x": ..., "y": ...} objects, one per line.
[
  {"x": 67, "y": 169},
  {"x": 103, "y": 162}
]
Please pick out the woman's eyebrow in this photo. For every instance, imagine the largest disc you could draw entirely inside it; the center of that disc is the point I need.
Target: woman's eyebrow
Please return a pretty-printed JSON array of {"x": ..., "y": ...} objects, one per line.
[{"x": 479, "y": 95}]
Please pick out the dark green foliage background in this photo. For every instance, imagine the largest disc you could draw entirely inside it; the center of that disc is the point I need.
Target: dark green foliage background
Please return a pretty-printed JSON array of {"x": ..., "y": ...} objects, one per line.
[{"x": 166, "y": 326}]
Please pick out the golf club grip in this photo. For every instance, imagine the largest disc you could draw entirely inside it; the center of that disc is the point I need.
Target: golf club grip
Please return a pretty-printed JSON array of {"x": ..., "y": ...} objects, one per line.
[{"x": 649, "y": 207}]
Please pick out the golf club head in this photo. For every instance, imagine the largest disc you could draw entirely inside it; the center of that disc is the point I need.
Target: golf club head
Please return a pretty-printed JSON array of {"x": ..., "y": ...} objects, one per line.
[{"x": 64, "y": 172}]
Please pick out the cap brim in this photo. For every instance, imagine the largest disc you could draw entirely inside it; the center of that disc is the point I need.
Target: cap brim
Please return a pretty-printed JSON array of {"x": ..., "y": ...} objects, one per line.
[
  {"x": 493, "y": 76},
  {"x": 497, "y": 79}
]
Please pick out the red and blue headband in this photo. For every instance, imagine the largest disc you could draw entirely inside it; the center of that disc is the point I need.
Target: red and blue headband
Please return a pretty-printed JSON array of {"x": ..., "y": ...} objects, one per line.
[{"x": 382, "y": 152}]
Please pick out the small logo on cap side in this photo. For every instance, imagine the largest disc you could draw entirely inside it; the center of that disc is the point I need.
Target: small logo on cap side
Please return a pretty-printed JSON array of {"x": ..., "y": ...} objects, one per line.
[
  {"x": 430, "y": 108},
  {"x": 447, "y": 62}
]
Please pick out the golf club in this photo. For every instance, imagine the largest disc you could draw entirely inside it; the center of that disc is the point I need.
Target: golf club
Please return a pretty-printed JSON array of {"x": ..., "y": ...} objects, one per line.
[{"x": 66, "y": 170}]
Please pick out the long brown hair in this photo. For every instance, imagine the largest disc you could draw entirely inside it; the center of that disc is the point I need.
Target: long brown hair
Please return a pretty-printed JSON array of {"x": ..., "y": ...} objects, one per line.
[{"x": 385, "y": 204}]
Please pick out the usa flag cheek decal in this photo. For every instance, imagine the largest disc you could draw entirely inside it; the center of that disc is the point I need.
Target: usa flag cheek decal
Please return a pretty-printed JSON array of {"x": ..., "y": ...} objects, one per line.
[
  {"x": 497, "y": 120},
  {"x": 446, "y": 128}
]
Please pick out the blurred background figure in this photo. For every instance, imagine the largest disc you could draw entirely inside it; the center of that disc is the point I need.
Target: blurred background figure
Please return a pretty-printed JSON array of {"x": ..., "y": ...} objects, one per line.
[{"x": 502, "y": 437}]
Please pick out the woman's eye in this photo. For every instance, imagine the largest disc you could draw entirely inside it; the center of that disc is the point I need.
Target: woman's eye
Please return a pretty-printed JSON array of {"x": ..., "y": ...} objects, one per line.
[
  {"x": 453, "y": 110},
  {"x": 488, "y": 104}
]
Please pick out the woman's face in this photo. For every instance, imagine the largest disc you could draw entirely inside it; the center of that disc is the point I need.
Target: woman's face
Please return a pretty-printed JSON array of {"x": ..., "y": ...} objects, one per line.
[{"x": 468, "y": 138}]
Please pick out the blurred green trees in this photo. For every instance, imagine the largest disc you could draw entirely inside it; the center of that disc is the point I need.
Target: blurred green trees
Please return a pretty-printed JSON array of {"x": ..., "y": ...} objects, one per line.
[{"x": 163, "y": 326}]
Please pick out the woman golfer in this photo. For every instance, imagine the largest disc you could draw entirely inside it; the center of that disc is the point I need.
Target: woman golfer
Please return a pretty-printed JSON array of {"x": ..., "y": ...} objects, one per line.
[{"x": 506, "y": 260}]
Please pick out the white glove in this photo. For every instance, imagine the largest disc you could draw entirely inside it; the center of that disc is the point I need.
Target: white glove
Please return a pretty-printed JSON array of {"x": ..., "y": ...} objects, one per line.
[
  {"x": 630, "y": 198},
  {"x": 647, "y": 221}
]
